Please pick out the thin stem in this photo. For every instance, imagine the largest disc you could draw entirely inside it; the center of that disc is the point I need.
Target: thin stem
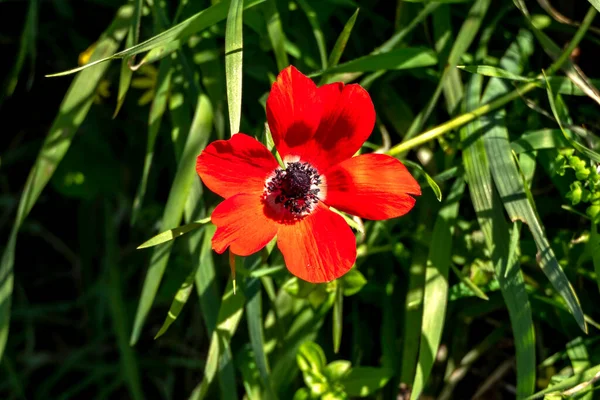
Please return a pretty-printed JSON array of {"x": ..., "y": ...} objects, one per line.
[{"x": 499, "y": 102}]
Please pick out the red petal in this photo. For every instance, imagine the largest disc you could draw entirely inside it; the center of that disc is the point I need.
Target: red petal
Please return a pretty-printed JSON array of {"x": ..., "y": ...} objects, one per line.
[
  {"x": 242, "y": 225},
  {"x": 293, "y": 110},
  {"x": 240, "y": 164},
  {"x": 319, "y": 248},
  {"x": 372, "y": 186},
  {"x": 347, "y": 121}
]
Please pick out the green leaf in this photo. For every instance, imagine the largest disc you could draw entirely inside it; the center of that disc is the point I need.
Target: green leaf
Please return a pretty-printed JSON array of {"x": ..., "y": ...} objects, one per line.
[
  {"x": 594, "y": 249},
  {"x": 596, "y": 4},
  {"x": 181, "y": 297},
  {"x": 404, "y": 58},
  {"x": 339, "y": 47},
  {"x": 474, "y": 288},
  {"x": 313, "y": 19},
  {"x": 432, "y": 183},
  {"x": 176, "y": 202},
  {"x": 337, "y": 370},
  {"x": 233, "y": 64},
  {"x": 573, "y": 384},
  {"x": 176, "y": 34},
  {"x": 219, "y": 351},
  {"x": 352, "y": 282},
  {"x": 364, "y": 381},
  {"x": 338, "y": 318},
  {"x": 487, "y": 70},
  {"x": 276, "y": 34},
  {"x": 132, "y": 39},
  {"x": 206, "y": 286},
  {"x": 558, "y": 110},
  {"x": 435, "y": 297},
  {"x": 538, "y": 140},
  {"x": 71, "y": 115},
  {"x": 173, "y": 233},
  {"x": 563, "y": 85},
  {"x": 310, "y": 357}
]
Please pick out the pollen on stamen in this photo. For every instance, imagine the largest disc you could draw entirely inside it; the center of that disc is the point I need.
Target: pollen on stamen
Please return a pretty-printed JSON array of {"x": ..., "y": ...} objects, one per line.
[{"x": 295, "y": 188}]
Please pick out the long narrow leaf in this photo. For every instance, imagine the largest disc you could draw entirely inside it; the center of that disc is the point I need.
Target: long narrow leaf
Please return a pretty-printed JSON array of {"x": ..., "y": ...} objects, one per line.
[{"x": 233, "y": 64}]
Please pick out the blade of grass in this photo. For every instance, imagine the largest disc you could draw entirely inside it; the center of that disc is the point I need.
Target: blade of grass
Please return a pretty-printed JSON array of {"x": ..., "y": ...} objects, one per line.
[
  {"x": 133, "y": 35},
  {"x": 157, "y": 110},
  {"x": 174, "y": 233},
  {"x": 509, "y": 182},
  {"x": 594, "y": 246},
  {"x": 206, "y": 286},
  {"x": 577, "y": 381},
  {"x": 230, "y": 314},
  {"x": 442, "y": 31},
  {"x": 276, "y": 33},
  {"x": 538, "y": 140},
  {"x": 435, "y": 297},
  {"x": 72, "y": 112},
  {"x": 338, "y": 318},
  {"x": 313, "y": 19},
  {"x": 114, "y": 289},
  {"x": 496, "y": 233},
  {"x": 488, "y": 70},
  {"x": 180, "y": 32},
  {"x": 339, "y": 47},
  {"x": 432, "y": 183},
  {"x": 176, "y": 202},
  {"x": 233, "y": 64},
  {"x": 596, "y": 4}
]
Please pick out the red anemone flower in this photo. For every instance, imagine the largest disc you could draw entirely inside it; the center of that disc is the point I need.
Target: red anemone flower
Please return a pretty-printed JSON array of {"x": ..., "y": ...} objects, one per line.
[{"x": 316, "y": 131}]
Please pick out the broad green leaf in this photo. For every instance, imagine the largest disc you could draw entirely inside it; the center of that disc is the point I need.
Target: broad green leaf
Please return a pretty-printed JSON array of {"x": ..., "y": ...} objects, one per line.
[
  {"x": 432, "y": 183},
  {"x": 313, "y": 19},
  {"x": 133, "y": 35},
  {"x": 558, "y": 110},
  {"x": 435, "y": 297},
  {"x": 495, "y": 72},
  {"x": 311, "y": 357},
  {"x": 157, "y": 110},
  {"x": 178, "y": 33},
  {"x": 233, "y": 64},
  {"x": 219, "y": 351},
  {"x": 173, "y": 233},
  {"x": 276, "y": 33},
  {"x": 176, "y": 202},
  {"x": 364, "y": 381},
  {"x": 336, "y": 370},
  {"x": 352, "y": 282},
  {"x": 404, "y": 58},
  {"x": 496, "y": 233},
  {"x": 114, "y": 291},
  {"x": 596, "y": 4},
  {"x": 71, "y": 115}
]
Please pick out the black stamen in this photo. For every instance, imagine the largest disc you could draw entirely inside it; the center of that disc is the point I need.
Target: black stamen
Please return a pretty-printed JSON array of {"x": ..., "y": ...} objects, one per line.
[{"x": 294, "y": 188}]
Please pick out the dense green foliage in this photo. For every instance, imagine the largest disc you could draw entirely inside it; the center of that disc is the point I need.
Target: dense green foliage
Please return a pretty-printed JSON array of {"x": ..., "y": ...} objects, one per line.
[{"x": 489, "y": 288}]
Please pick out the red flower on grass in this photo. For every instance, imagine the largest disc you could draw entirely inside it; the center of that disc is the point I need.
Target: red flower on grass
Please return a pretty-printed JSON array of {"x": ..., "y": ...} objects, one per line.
[{"x": 316, "y": 130}]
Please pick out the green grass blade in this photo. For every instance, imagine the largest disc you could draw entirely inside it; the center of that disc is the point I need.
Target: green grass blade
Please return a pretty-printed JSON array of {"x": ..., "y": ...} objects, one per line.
[
  {"x": 596, "y": 4},
  {"x": 558, "y": 110},
  {"x": 186, "y": 173},
  {"x": 230, "y": 314},
  {"x": 577, "y": 381},
  {"x": 129, "y": 367},
  {"x": 539, "y": 140},
  {"x": 432, "y": 183},
  {"x": 469, "y": 283},
  {"x": 233, "y": 64},
  {"x": 339, "y": 46},
  {"x": 206, "y": 286},
  {"x": 131, "y": 40},
  {"x": 594, "y": 246},
  {"x": 495, "y": 72},
  {"x": 563, "y": 85},
  {"x": 254, "y": 316},
  {"x": 313, "y": 19},
  {"x": 276, "y": 34},
  {"x": 72, "y": 112},
  {"x": 435, "y": 298},
  {"x": 442, "y": 31},
  {"x": 405, "y": 58},
  {"x": 338, "y": 318},
  {"x": 174, "y": 233},
  {"x": 496, "y": 232},
  {"x": 196, "y": 23},
  {"x": 157, "y": 110}
]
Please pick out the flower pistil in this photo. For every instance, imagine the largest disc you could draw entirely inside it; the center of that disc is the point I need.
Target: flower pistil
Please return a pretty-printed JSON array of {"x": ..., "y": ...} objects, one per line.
[{"x": 296, "y": 188}]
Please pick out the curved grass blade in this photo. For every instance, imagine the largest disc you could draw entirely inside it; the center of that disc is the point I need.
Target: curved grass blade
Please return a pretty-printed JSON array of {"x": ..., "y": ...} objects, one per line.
[
  {"x": 339, "y": 46},
  {"x": 157, "y": 44},
  {"x": 132, "y": 39},
  {"x": 173, "y": 233},
  {"x": 495, "y": 72},
  {"x": 233, "y": 64},
  {"x": 157, "y": 110},
  {"x": 176, "y": 202},
  {"x": 558, "y": 110},
  {"x": 230, "y": 314},
  {"x": 313, "y": 19},
  {"x": 435, "y": 297},
  {"x": 432, "y": 183},
  {"x": 72, "y": 112},
  {"x": 572, "y": 384},
  {"x": 404, "y": 58},
  {"x": 563, "y": 85},
  {"x": 496, "y": 233},
  {"x": 276, "y": 33}
]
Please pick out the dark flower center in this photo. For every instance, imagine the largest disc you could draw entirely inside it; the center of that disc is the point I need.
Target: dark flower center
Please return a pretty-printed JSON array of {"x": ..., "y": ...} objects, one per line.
[{"x": 296, "y": 188}]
